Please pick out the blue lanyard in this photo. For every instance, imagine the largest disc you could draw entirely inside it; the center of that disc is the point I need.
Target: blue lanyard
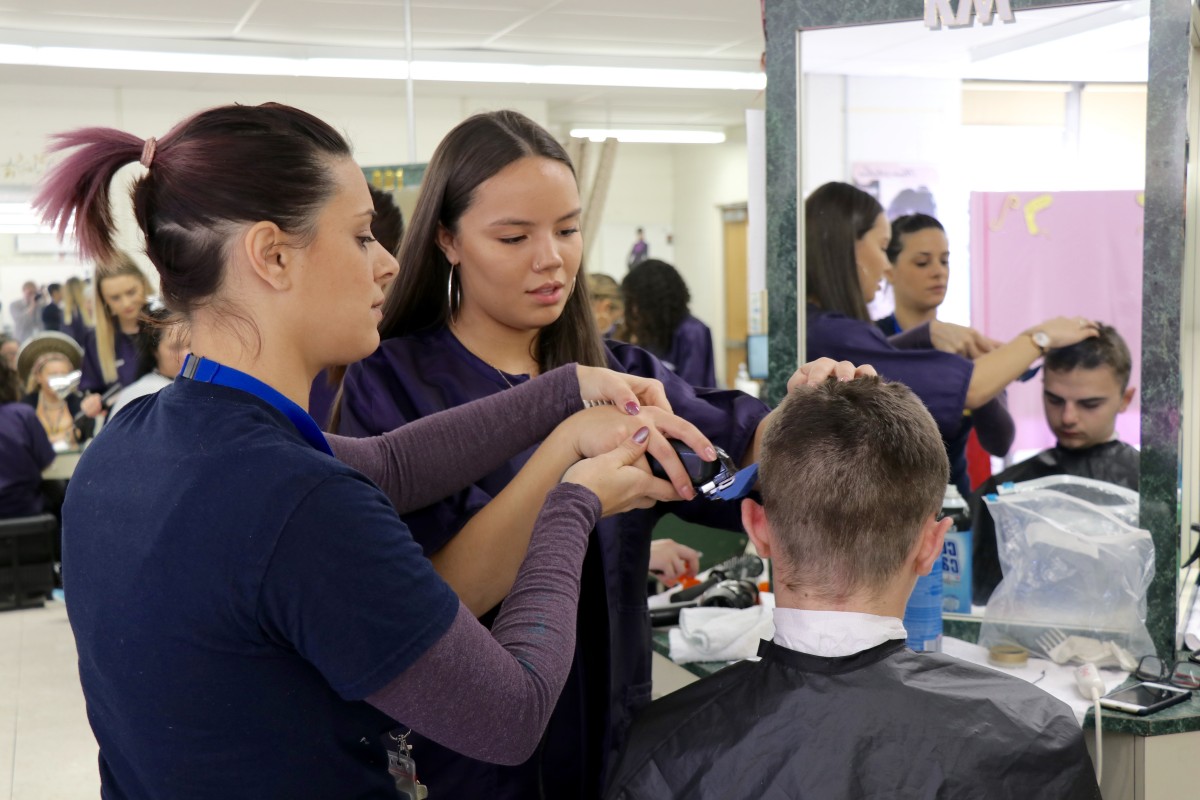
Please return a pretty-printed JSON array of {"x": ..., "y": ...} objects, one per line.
[{"x": 205, "y": 371}]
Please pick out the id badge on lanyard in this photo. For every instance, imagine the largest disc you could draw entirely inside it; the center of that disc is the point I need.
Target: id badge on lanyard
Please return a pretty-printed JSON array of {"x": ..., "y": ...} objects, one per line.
[{"x": 404, "y": 770}]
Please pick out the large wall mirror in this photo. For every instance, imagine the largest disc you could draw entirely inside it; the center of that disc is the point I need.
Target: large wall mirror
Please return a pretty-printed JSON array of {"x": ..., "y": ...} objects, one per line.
[{"x": 1051, "y": 149}]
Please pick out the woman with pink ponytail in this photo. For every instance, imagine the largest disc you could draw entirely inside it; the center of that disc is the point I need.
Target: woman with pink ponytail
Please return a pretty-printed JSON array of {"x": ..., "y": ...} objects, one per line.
[{"x": 251, "y": 615}]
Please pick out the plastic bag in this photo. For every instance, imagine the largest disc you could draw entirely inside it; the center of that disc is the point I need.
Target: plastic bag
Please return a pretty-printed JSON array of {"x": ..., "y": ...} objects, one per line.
[{"x": 1070, "y": 568}]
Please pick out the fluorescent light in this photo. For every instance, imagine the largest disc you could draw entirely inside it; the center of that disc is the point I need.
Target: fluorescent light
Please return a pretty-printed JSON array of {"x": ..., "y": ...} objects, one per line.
[
  {"x": 653, "y": 136},
  {"x": 381, "y": 68}
]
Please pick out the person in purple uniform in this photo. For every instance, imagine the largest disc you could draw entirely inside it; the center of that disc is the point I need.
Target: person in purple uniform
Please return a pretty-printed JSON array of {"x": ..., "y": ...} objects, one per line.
[
  {"x": 110, "y": 351},
  {"x": 657, "y": 319},
  {"x": 490, "y": 295},
  {"x": 251, "y": 615},
  {"x": 950, "y": 367},
  {"x": 919, "y": 253},
  {"x": 25, "y": 450}
]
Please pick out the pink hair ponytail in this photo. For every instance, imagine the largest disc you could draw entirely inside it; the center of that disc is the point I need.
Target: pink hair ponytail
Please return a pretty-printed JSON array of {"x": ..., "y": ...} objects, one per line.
[{"x": 77, "y": 190}]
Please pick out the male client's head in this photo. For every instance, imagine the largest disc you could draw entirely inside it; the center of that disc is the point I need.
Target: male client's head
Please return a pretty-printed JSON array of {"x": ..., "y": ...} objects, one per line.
[
  {"x": 852, "y": 476},
  {"x": 1084, "y": 388}
]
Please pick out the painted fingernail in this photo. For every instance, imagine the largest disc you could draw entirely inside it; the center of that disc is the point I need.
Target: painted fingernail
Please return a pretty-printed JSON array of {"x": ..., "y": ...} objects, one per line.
[
  {"x": 632, "y": 408},
  {"x": 642, "y": 435},
  {"x": 711, "y": 452}
]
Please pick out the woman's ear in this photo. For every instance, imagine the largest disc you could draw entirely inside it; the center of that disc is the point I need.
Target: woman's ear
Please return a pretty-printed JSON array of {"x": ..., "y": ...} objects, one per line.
[
  {"x": 447, "y": 244},
  {"x": 268, "y": 254}
]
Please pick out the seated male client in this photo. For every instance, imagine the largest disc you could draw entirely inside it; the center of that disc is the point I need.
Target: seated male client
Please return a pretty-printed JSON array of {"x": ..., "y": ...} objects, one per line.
[
  {"x": 1084, "y": 388},
  {"x": 852, "y": 478}
]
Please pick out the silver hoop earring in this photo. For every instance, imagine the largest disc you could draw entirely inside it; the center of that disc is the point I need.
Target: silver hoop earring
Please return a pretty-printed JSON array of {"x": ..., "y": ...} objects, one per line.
[{"x": 453, "y": 293}]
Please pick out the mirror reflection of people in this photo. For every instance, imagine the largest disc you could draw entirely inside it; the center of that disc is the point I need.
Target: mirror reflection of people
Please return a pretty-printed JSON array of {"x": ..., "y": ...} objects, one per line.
[
  {"x": 46, "y": 356},
  {"x": 77, "y": 310},
  {"x": 919, "y": 253},
  {"x": 608, "y": 306},
  {"x": 838, "y": 706},
  {"x": 1084, "y": 388},
  {"x": 162, "y": 346},
  {"x": 950, "y": 367},
  {"x": 488, "y": 299},
  {"x": 251, "y": 615},
  {"x": 657, "y": 318},
  {"x": 110, "y": 350},
  {"x": 25, "y": 450}
]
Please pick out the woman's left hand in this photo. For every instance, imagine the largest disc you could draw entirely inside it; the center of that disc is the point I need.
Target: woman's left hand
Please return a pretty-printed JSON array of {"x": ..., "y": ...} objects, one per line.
[
  {"x": 823, "y": 368},
  {"x": 627, "y": 392}
]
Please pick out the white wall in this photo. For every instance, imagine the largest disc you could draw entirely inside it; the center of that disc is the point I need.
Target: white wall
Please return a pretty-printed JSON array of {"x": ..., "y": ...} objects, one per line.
[
  {"x": 706, "y": 178},
  {"x": 375, "y": 125}
]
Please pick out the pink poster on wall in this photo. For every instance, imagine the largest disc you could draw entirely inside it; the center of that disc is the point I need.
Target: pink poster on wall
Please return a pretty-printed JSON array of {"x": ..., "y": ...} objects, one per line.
[{"x": 1036, "y": 255}]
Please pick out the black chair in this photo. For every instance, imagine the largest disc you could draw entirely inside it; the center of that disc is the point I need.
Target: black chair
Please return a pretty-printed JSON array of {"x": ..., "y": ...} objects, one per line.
[{"x": 26, "y": 560}]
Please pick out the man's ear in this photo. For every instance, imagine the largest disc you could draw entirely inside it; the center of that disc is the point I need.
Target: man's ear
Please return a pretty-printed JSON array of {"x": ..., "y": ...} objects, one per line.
[
  {"x": 1127, "y": 398},
  {"x": 264, "y": 245},
  {"x": 446, "y": 243},
  {"x": 754, "y": 520},
  {"x": 929, "y": 543}
]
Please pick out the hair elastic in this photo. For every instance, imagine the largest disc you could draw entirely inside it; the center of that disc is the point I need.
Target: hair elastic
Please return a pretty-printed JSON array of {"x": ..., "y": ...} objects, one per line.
[{"x": 148, "y": 148}]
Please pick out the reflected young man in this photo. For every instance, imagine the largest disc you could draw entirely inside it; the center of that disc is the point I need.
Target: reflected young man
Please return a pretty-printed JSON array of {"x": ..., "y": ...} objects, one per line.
[
  {"x": 839, "y": 707},
  {"x": 1084, "y": 388}
]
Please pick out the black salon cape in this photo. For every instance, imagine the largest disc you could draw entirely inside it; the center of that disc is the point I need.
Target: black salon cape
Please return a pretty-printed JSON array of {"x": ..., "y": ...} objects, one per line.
[
  {"x": 1113, "y": 462},
  {"x": 884, "y": 723}
]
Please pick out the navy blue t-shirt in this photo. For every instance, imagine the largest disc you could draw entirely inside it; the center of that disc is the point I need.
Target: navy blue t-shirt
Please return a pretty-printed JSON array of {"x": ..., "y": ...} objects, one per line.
[{"x": 235, "y": 594}]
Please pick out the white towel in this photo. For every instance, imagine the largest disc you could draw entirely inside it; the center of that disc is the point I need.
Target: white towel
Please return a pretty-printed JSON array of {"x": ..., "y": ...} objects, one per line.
[{"x": 720, "y": 634}]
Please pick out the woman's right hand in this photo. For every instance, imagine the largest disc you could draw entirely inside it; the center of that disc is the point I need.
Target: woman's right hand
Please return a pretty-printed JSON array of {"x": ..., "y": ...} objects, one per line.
[
  {"x": 1066, "y": 331},
  {"x": 598, "y": 430},
  {"x": 614, "y": 478},
  {"x": 92, "y": 405}
]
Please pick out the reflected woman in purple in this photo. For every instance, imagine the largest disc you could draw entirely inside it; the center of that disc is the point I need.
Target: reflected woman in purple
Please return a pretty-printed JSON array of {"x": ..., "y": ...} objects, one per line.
[
  {"x": 950, "y": 367},
  {"x": 491, "y": 293}
]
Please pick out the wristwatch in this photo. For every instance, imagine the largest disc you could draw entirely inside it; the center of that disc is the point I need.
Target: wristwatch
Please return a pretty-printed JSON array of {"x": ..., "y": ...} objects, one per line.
[{"x": 1041, "y": 340}]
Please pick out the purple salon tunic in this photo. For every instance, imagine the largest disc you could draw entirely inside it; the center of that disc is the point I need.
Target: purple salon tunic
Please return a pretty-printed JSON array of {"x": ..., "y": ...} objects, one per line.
[
  {"x": 991, "y": 421},
  {"x": 25, "y": 451},
  {"x": 411, "y": 377},
  {"x": 691, "y": 353},
  {"x": 128, "y": 364},
  {"x": 939, "y": 379}
]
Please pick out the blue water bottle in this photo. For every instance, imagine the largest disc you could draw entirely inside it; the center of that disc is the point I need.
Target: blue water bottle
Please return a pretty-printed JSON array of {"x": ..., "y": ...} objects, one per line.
[{"x": 923, "y": 615}]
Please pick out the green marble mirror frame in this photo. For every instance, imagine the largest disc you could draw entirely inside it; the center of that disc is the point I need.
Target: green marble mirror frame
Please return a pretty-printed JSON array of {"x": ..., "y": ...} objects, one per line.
[{"x": 1165, "y": 215}]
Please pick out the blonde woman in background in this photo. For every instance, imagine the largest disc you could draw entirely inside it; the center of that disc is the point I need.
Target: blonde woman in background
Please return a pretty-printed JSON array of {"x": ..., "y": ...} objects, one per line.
[
  {"x": 608, "y": 306},
  {"x": 79, "y": 316},
  {"x": 110, "y": 351}
]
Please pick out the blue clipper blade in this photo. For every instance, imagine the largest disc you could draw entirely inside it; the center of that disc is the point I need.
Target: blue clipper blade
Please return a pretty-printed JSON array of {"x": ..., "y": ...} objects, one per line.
[{"x": 743, "y": 482}]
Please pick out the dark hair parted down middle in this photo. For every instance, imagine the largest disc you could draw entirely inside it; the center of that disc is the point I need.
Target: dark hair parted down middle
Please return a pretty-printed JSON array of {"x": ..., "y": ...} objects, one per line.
[
  {"x": 909, "y": 223},
  {"x": 849, "y": 473},
  {"x": 474, "y": 151},
  {"x": 206, "y": 176},
  {"x": 656, "y": 301},
  {"x": 1107, "y": 349},
  {"x": 836, "y": 216}
]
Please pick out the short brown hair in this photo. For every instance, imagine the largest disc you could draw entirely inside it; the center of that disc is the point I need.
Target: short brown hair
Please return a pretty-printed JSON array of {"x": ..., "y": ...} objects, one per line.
[
  {"x": 1107, "y": 349},
  {"x": 849, "y": 473}
]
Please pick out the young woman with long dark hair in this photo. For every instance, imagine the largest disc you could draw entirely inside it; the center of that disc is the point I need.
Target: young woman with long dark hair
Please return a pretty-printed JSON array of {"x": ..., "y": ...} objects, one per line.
[{"x": 491, "y": 296}]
